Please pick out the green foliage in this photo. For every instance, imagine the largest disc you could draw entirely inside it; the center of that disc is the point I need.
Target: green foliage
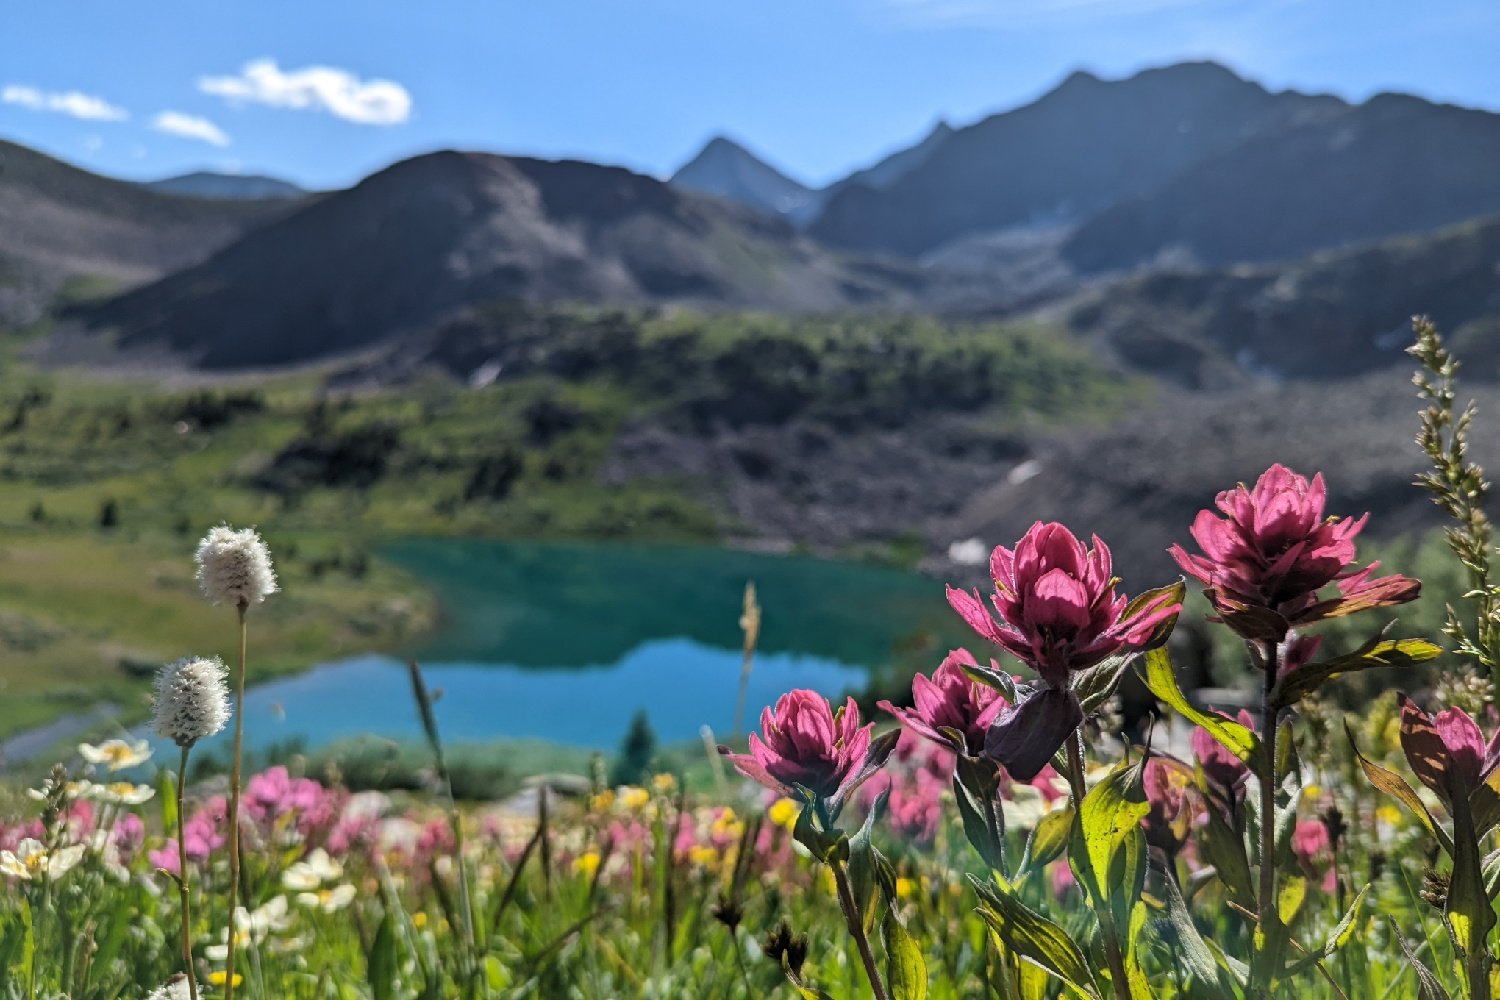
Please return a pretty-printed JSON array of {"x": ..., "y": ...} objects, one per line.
[{"x": 637, "y": 750}]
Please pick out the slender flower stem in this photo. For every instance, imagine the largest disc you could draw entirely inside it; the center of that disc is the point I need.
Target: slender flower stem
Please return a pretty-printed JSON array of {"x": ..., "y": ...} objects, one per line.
[
  {"x": 857, "y": 929},
  {"x": 234, "y": 807},
  {"x": 1117, "y": 974},
  {"x": 182, "y": 879},
  {"x": 1269, "y": 723}
]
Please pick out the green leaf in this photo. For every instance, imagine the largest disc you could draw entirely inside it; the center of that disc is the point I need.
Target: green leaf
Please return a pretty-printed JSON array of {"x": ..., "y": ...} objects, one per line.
[
  {"x": 974, "y": 785},
  {"x": 823, "y": 844},
  {"x": 166, "y": 797},
  {"x": 1396, "y": 787},
  {"x": 1109, "y": 816},
  {"x": 1376, "y": 653},
  {"x": 1049, "y": 839},
  {"x": 1428, "y": 985},
  {"x": 381, "y": 960},
  {"x": 1337, "y": 938},
  {"x": 1094, "y": 686},
  {"x": 1484, "y": 804},
  {"x": 804, "y": 989},
  {"x": 1470, "y": 915},
  {"x": 1135, "y": 975},
  {"x": 1174, "y": 594},
  {"x": 1235, "y": 738},
  {"x": 990, "y": 678},
  {"x": 905, "y": 968},
  {"x": 862, "y": 869},
  {"x": 1035, "y": 938},
  {"x": 1225, "y": 850},
  {"x": 1289, "y": 899},
  {"x": 1195, "y": 952}
]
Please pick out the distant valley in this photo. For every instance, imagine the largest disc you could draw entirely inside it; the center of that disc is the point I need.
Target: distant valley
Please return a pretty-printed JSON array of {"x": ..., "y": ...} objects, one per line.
[{"x": 1203, "y": 244}]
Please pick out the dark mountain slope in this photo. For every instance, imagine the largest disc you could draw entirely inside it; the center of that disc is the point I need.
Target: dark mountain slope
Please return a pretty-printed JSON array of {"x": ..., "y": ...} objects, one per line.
[
  {"x": 1077, "y": 150},
  {"x": 1393, "y": 165},
  {"x": 421, "y": 239},
  {"x": 59, "y": 222},
  {"x": 1333, "y": 314}
]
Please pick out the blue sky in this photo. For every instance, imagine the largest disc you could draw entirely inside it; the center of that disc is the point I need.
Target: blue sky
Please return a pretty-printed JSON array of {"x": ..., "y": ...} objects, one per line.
[{"x": 324, "y": 91}]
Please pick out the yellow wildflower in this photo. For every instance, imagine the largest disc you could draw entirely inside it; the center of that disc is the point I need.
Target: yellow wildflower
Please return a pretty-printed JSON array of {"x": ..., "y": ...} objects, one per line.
[
  {"x": 784, "y": 812},
  {"x": 633, "y": 798},
  {"x": 665, "y": 784},
  {"x": 587, "y": 863}
]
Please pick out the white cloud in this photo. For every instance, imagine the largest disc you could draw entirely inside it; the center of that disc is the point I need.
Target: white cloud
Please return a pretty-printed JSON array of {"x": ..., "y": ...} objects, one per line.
[
  {"x": 314, "y": 88},
  {"x": 189, "y": 127},
  {"x": 70, "y": 102}
]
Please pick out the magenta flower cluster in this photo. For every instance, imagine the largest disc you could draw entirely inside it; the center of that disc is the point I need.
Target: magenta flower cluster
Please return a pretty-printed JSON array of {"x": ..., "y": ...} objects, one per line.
[{"x": 1266, "y": 560}]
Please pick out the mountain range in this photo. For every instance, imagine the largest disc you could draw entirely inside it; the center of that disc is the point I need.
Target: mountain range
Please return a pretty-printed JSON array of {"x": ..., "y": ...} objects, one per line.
[
  {"x": 410, "y": 245},
  {"x": 1230, "y": 248},
  {"x": 1133, "y": 190},
  {"x": 211, "y": 184},
  {"x": 60, "y": 224}
]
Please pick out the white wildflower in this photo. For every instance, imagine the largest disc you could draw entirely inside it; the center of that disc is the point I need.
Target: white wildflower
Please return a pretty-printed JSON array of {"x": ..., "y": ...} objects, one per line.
[
  {"x": 79, "y": 789},
  {"x": 176, "y": 988},
  {"x": 192, "y": 700},
  {"x": 328, "y": 900},
  {"x": 311, "y": 873},
  {"x": 234, "y": 567},
  {"x": 251, "y": 927},
  {"x": 30, "y": 860},
  {"x": 122, "y": 793},
  {"x": 116, "y": 755}
]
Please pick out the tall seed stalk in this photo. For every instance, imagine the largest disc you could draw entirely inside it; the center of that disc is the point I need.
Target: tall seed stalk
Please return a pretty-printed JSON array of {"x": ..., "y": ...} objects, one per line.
[
  {"x": 182, "y": 880},
  {"x": 234, "y": 800},
  {"x": 750, "y": 625},
  {"x": 472, "y": 959}
]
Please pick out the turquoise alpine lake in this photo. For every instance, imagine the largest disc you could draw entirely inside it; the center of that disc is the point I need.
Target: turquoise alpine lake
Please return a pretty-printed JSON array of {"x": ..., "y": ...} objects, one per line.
[{"x": 566, "y": 642}]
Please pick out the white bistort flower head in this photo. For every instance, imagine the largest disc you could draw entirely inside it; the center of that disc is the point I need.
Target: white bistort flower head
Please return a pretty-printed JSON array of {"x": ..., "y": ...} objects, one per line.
[
  {"x": 192, "y": 700},
  {"x": 234, "y": 567}
]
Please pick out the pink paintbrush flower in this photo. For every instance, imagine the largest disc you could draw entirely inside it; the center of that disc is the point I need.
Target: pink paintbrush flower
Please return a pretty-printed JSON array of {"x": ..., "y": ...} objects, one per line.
[
  {"x": 951, "y": 701},
  {"x": 1448, "y": 753},
  {"x": 804, "y": 744},
  {"x": 1266, "y": 559},
  {"x": 1059, "y": 613},
  {"x": 1224, "y": 773},
  {"x": 1169, "y": 792}
]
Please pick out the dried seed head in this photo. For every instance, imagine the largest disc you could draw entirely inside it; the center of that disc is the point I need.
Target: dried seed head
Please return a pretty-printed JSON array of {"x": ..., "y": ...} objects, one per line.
[
  {"x": 192, "y": 700},
  {"x": 787, "y": 949},
  {"x": 1435, "y": 888},
  {"x": 234, "y": 567}
]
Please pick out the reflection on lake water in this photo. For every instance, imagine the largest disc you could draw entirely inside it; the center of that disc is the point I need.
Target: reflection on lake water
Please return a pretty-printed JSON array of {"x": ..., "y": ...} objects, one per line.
[{"x": 565, "y": 642}]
